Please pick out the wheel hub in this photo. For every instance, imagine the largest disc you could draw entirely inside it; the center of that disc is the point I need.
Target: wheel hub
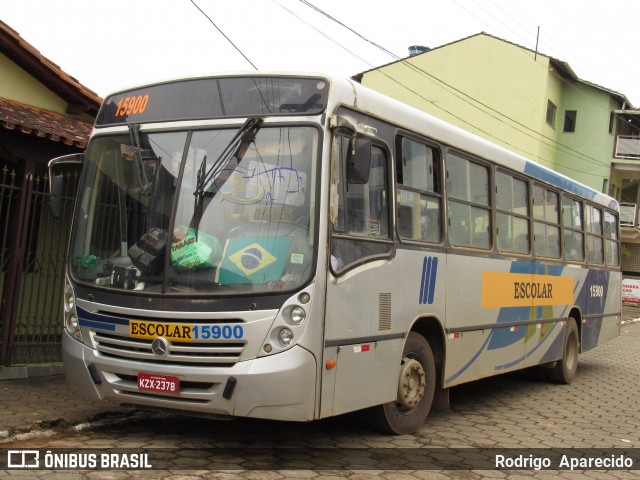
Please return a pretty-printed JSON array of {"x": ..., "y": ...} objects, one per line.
[{"x": 412, "y": 384}]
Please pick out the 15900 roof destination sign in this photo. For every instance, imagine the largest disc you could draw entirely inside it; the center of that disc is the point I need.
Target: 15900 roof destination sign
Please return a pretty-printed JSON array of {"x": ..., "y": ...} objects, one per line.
[{"x": 202, "y": 98}]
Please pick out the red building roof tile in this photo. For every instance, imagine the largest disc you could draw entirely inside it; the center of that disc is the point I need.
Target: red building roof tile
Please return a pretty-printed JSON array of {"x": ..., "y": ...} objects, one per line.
[
  {"x": 43, "y": 123},
  {"x": 81, "y": 100}
]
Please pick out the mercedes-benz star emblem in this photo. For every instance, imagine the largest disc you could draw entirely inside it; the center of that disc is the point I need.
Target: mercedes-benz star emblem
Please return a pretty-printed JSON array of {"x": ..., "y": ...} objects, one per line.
[{"x": 160, "y": 347}]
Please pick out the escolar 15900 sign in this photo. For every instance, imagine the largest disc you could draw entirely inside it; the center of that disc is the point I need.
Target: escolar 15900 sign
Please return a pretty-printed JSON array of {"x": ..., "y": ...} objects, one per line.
[{"x": 183, "y": 332}]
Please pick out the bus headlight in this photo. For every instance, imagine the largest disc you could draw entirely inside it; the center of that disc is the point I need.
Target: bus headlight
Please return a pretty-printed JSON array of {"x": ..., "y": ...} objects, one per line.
[
  {"x": 71, "y": 322},
  {"x": 297, "y": 315},
  {"x": 69, "y": 299},
  {"x": 285, "y": 336},
  {"x": 289, "y": 324}
]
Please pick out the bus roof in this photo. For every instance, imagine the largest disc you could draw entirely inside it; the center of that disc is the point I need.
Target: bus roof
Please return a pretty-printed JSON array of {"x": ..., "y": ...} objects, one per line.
[{"x": 345, "y": 91}]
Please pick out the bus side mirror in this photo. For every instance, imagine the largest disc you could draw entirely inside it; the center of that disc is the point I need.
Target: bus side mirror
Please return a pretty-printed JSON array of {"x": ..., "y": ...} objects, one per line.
[
  {"x": 359, "y": 161},
  {"x": 56, "y": 181}
]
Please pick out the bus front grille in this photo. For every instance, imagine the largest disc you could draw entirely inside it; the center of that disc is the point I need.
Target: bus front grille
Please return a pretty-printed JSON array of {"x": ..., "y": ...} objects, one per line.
[{"x": 197, "y": 354}]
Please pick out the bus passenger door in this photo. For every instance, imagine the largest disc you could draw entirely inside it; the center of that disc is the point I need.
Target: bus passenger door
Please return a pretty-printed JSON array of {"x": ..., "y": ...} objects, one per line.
[{"x": 358, "y": 333}]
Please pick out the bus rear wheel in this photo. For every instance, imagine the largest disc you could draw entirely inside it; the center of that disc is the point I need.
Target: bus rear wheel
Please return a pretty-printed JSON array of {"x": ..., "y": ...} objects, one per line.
[
  {"x": 416, "y": 387},
  {"x": 565, "y": 369}
]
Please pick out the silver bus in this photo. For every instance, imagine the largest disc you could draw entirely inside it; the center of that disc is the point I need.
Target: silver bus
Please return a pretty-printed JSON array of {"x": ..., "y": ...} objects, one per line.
[{"x": 295, "y": 247}]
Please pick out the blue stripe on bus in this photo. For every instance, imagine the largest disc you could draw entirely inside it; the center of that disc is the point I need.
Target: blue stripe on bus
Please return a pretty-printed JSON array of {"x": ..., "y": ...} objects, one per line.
[
  {"x": 554, "y": 178},
  {"x": 425, "y": 267},
  {"x": 530, "y": 352},
  {"x": 428, "y": 283},
  {"x": 96, "y": 317},
  {"x": 544, "y": 339},
  {"x": 554, "y": 351},
  {"x": 432, "y": 280},
  {"x": 510, "y": 364},
  {"x": 468, "y": 364},
  {"x": 514, "y": 362},
  {"x": 103, "y": 326}
]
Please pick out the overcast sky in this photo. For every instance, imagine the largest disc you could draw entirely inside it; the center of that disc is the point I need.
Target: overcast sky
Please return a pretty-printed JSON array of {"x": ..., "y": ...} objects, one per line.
[{"x": 111, "y": 44}]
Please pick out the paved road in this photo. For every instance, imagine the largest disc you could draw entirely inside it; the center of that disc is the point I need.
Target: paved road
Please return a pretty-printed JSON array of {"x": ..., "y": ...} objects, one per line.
[{"x": 598, "y": 411}]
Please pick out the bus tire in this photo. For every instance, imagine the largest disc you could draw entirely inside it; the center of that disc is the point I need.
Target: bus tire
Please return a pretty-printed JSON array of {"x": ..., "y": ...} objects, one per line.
[
  {"x": 565, "y": 369},
  {"x": 416, "y": 387}
]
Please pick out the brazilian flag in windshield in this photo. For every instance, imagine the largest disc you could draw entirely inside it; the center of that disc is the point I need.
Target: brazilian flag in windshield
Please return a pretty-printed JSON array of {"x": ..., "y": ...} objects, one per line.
[{"x": 253, "y": 260}]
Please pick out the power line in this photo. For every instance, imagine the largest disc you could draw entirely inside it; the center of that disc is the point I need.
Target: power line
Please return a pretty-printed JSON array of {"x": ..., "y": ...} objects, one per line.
[
  {"x": 322, "y": 12},
  {"x": 222, "y": 33},
  {"x": 321, "y": 32},
  {"x": 516, "y": 33},
  {"x": 579, "y": 155}
]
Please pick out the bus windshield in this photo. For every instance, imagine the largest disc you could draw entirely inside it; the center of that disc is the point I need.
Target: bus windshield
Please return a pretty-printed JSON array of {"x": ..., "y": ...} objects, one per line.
[{"x": 146, "y": 220}]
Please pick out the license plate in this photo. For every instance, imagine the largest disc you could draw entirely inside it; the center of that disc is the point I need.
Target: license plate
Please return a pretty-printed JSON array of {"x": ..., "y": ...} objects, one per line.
[{"x": 153, "y": 382}]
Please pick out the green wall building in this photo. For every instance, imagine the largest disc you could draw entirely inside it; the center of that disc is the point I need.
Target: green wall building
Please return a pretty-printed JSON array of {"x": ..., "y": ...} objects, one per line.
[
  {"x": 525, "y": 101},
  {"x": 532, "y": 104}
]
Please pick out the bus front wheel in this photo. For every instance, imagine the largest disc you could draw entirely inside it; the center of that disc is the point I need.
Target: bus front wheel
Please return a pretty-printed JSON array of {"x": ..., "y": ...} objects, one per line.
[
  {"x": 565, "y": 369},
  {"x": 416, "y": 387}
]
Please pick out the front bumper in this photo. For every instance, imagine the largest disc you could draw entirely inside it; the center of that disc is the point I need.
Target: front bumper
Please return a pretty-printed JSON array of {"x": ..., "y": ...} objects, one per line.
[{"x": 278, "y": 387}]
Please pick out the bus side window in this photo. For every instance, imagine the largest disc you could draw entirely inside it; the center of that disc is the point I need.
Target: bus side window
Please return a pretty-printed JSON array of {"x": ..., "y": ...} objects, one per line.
[
  {"x": 572, "y": 225},
  {"x": 595, "y": 245},
  {"x": 512, "y": 213},
  {"x": 468, "y": 203},
  {"x": 419, "y": 196},
  {"x": 611, "y": 239},
  {"x": 546, "y": 222}
]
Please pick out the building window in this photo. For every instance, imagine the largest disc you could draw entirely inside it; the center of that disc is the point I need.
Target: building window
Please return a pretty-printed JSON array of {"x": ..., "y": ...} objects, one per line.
[
  {"x": 570, "y": 121},
  {"x": 551, "y": 113}
]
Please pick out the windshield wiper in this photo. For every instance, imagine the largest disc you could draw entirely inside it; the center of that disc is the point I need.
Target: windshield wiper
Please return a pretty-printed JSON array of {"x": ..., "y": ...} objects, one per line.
[
  {"x": 134, "y": 135},
  {"x": 235, "y": 149}
]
